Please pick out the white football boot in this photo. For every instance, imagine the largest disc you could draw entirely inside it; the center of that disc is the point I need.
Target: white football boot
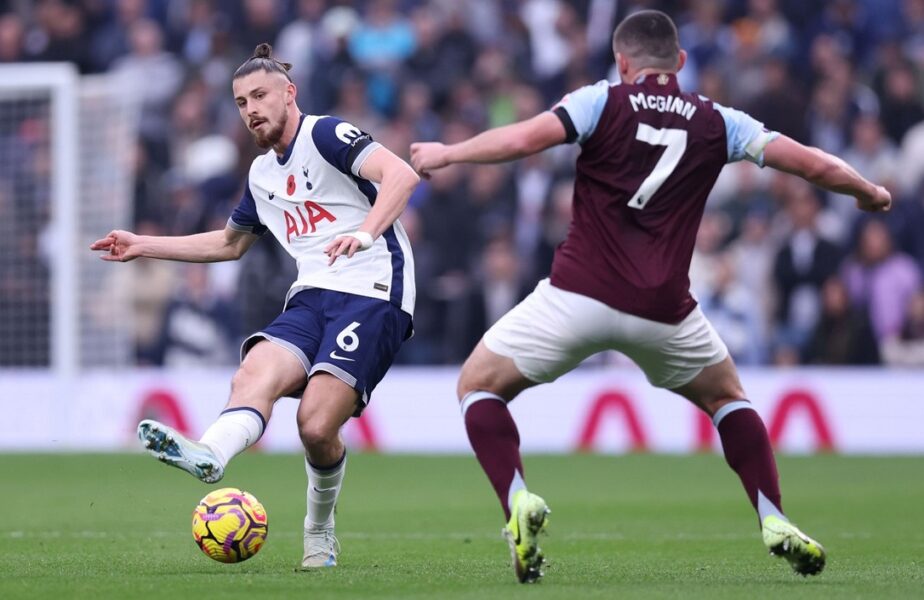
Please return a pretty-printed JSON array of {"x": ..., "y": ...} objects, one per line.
[
  {"x": 321, "y": 549},
  {"x": 173, "y": 448}
]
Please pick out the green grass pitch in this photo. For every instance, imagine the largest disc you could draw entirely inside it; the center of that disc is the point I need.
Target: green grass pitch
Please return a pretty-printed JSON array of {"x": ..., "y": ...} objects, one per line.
[{"x": 637, "y": 526}]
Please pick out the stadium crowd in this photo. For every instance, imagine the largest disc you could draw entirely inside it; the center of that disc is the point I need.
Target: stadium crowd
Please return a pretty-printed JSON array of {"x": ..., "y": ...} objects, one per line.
[{"x": 788, "y": 275}]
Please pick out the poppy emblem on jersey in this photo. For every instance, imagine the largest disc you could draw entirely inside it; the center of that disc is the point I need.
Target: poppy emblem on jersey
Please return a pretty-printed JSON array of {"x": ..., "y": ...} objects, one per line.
[
  {"x": 290, "y": 185},
  {"x": 663, "y": 79}
]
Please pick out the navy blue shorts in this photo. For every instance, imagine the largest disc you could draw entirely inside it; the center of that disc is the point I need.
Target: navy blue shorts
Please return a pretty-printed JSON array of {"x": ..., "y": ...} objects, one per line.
[{"x": 354, "y": 338}]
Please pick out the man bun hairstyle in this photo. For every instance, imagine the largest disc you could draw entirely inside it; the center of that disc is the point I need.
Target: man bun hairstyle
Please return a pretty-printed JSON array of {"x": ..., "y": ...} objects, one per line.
[
  {"x": 648, "y": 38},
  {"x": 262, "y": 60}
]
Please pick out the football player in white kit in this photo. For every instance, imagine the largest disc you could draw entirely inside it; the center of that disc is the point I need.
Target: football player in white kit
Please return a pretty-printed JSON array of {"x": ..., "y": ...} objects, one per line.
[{"x": 325, "y": 190}]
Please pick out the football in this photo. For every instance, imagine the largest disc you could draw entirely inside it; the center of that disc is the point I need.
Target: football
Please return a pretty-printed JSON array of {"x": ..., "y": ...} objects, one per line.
[{"x": 229, "y": 525}]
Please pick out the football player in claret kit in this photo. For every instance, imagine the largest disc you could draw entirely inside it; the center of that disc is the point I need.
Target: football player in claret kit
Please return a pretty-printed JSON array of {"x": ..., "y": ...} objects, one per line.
[
  {"x": 326, "y": 191},
  {"x": 650, "y": 156}
]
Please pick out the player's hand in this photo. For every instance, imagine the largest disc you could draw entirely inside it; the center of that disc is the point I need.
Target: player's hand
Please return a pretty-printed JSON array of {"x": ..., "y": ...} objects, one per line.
[
  {"x": 348, "y": 244},
  {"x": 120, "y": 246},
  {"x": 428, "y": 156},
  {"x": 879, "y": 201}
]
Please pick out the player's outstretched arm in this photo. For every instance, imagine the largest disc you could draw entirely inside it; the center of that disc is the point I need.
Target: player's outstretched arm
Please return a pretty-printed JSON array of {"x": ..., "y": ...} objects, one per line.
[
  {"x": 212, "y": 246},
  {"x": 827, "y": 171},
  {"x": 397, "y": 181},
  {"x": 500, "y": 144}
]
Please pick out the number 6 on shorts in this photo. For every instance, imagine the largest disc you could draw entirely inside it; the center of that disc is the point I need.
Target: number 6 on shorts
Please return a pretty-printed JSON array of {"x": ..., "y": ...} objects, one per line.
[{"x": 347, "y": 339}]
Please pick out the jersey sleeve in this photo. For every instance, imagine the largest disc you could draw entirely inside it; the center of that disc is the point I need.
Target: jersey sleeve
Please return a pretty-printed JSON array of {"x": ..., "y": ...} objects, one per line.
[
  {"x": 747, "y": 137},
  {"x": 245, "y": 217},
  {"x": 342, "y": 144},
  {"x": 580, "y": 110}
]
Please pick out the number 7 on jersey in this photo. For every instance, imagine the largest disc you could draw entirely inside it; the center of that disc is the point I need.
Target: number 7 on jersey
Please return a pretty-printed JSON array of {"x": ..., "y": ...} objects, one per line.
[{"x": 675, "y": 141}]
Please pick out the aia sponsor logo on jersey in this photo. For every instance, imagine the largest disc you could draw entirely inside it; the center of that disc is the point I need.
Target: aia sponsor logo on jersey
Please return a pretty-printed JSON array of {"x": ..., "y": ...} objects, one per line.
[{"x": 305, "y": 221}]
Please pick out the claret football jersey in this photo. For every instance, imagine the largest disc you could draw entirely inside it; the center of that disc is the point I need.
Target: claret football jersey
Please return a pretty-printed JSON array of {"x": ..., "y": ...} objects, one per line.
[
  {"x": 313, "y": 193},
  {"x": 650, "y": 156}
]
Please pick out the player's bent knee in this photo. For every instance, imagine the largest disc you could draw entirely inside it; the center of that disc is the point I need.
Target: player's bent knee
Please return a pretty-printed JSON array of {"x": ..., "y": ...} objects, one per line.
[
  {"x": 495, "y": 381},
  {"x": 315, "y": 434},
  {"x": 471, "y": 380}
]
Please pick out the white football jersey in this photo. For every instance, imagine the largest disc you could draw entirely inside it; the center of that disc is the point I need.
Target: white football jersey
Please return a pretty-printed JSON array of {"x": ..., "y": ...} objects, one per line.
[{"x": 312, "y": 194}]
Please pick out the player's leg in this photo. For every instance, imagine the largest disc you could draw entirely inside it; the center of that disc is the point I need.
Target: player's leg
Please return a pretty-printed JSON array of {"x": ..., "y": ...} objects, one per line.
[
  {"x": 326, "y": 405},
  {"x": 717, "y": 391},
  {"x": 359, "y": 341},
  {"x": 487, "y": 383},
  {"x": 540, "y": 339},
  {"x": 267, "y": 372}
]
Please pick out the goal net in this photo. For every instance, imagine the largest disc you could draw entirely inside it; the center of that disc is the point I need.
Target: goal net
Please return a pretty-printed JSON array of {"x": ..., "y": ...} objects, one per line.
[{"x": 66, "y": 144}]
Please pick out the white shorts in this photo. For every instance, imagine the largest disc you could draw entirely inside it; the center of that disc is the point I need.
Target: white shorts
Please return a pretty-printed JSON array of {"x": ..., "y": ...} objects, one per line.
[{"x": 551, "y": 331}]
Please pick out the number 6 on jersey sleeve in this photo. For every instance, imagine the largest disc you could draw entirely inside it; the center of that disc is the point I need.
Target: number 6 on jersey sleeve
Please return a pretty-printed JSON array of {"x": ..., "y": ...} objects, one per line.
[{"x": 675, "y": 141}]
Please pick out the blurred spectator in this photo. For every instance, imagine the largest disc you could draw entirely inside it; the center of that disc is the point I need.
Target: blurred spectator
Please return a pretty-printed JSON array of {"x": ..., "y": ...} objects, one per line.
[
  {"x": 707, "y": 253},
  {"x": 847, "y": 22},
  {"x": 60, "y": 35},
  {"x": 828, "y": 118},
  {"x": 801, "y": 266},
  {"x": 548, "y": 42},
  {"x": 149, "y": 284},
  {"x": 415, "y": 110},
  {"x": 911, "y": 167},
  {"x": 752, "y": 254},
  {"x": 146, "y": 62},
  {"x": 872, "y": 154},
  {"x": 12, "y": 33},
  {"x": 843, "y": 335},
  {"x": 425, "y": 347},
  {"x": 297, "y": 41},
  {"x": 781, "y": 106},
  {"x": 352, "y": 104},
  {"x": 111, "y": 39},
  {"x": 497, "y": 288},
  {"x": 261, "y": 23},
  {"x": 198, "y": 328},
  {"x": 735, "y": 311},
  {"x": 705, "y": 37},
  {"x": 907, "y": 348},
  {"x": 444, "y": 52},
  {"x": 913, "y": 30},
  {"x": 333, "y": 62},
  {"x": 901, "y": 104},
  {"x": 448, "y": 221},
  {"x": 556, "y": 221},
  {"x": 880, "y": 279},
  {"x": 384, "y": 39},
  {"x": 266, "y": 273},
  {"x": 766, "y": 28},
  {"x": 379, "y": 45},
  {"x": 194, "y": 30}
]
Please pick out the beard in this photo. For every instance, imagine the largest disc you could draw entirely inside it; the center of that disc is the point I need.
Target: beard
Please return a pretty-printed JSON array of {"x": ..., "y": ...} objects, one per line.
[{"x": 270, "y": 134}]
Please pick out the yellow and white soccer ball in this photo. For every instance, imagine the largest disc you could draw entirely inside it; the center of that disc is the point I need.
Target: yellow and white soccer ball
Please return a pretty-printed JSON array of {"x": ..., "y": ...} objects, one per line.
[{"x": 229, "y": 525}]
